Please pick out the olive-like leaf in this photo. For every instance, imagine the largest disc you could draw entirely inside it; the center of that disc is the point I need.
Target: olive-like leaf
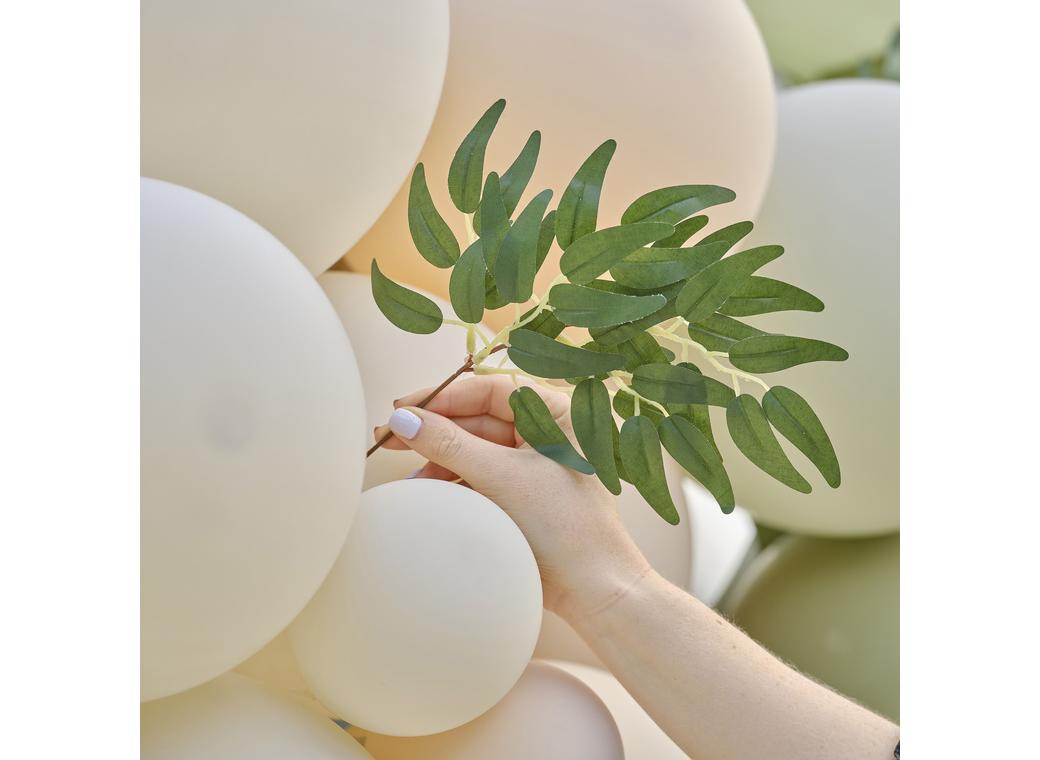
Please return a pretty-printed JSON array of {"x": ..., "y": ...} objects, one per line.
[
  {"x": 544, "y": 357},
  {"x": 684, "y": 230},
  {"x": 698, "y": 414},
  {"x": 749, "y": 428},
  {"x": 719, "y": 333},
  {"x": 516, "y": 177},
  {"x": 731, "y": 235},
  {"x": 708, "y": 289},
  {"x": 641, "y": 349},
  {"x": 698, "y": 456},
  {"x": 589, "y": 307},
  {"x": 546, "y": 235},
  {"x": 492, "y": 298},
  {"x": 625, "y": 405},
  {"x": 673, "y": 204},
  {"x": 405, "y": 308},
  {"x": 594, "y": 428},
  {"x": 595, "y": 253},
  {"x": 672, "y": 384},
  {"x": 535, "y": 424},
  {"x": 466, "y": 173},
  {"x": 545, "y": 323},
  {"x": 641, "y": 453},
  {"x": 617, "y": 456},
  {"x": 466, "y": 287},
  {"x": 764, "y": 295},
  {"x": 797, "y": 422},
  {"x": 656, "y": 267},
  {"x": 517, "y": 261},
  {"x": 495, "y": 220},
  {"x": 772, "y": 353},
  {"x": 432, "y": 236},
  {"x": 579, "y": 204}
]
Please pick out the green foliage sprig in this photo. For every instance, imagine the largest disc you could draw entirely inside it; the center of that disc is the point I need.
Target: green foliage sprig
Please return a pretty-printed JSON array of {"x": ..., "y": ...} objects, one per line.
[{"x": 664, "y": 302}]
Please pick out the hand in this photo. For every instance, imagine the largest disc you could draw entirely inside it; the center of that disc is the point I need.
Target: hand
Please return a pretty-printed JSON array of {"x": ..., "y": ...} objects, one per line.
[{"x": 586, "y": 557}]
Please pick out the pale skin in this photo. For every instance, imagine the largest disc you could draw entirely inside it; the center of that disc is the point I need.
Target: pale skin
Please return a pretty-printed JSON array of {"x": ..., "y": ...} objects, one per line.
[{"x": 714, "y": 691}]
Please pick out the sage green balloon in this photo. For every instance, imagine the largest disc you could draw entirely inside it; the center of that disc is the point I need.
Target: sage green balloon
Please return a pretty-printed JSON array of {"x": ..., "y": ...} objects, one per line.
[{"x": 831, "y": 609}]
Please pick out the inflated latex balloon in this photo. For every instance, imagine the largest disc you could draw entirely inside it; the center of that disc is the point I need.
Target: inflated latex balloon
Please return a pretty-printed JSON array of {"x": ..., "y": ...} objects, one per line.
[
  {"x": 304, "y": 114},
  {"x": 831, "y": 609},
  {"x": 721, "y": 542},
  {"x": 834, "y": 205},
  {"x": 683, "y": 86},
  {"x": 643, "y": 739},
  {"x": 429, "y": 616},
  {"x": 548, "y": 715},
  {"x": 235, "y": 718},
  {"x": 275, "y": 665},
  {"x": 252, "y": 437},
  {"x": 809, "y": 38}
]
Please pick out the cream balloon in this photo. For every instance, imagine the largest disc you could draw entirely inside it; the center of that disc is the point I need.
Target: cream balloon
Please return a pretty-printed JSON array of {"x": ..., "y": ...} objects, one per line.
[
  {"x": 235, "y": 718},
  {"x": 275, "y": 665},
  {"x": 548, "y": 715},
  {"x": 429, "y": 616},
  {"x": 252, "y": 437},
  {"x": 721, "y": 542},
  {"x": 834, "y": 205},
  {"x": 304, "y": 114},
  {"x": 684, "y": 86},
  {"x": 831, "y": 609}
]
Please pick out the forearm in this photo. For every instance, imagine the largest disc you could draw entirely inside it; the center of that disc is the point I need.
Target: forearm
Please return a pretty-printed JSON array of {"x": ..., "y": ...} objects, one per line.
[{"x": 714, "y": 691}]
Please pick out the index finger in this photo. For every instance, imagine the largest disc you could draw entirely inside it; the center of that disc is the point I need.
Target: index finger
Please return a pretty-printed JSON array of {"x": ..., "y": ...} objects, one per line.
[{"x": 484, "y": 394}]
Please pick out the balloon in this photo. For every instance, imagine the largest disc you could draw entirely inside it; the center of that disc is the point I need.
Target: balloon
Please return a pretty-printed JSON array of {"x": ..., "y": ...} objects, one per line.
[
  {"x": 831, "y": 609},
  {"x": 809, "y": 38},
  {"x": 642, "y": 737},
  {"x": 304, "y": 114},
  {"x": 548, "y": 715},
  {"x": 235, "y": 718},
  {"x": 275, "y": 665},
  {"x": 684, "y": 86},
  {"x": 252, "y": 437},
  {"x": 834, "y": 205},
  {"x": 721, "y": 542},
  {"x": 428, "y": 617}
]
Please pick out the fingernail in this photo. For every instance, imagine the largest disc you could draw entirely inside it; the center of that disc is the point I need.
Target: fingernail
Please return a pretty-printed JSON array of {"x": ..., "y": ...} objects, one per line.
[{"x": 404, "y": 424}]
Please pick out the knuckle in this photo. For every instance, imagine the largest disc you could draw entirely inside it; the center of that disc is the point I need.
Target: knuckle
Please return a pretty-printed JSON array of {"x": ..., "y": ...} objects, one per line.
[{"x": 447, "y": 444}]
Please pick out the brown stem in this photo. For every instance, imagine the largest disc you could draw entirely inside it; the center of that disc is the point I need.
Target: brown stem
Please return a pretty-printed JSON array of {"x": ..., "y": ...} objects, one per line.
[{"x": 467, "y": 367}]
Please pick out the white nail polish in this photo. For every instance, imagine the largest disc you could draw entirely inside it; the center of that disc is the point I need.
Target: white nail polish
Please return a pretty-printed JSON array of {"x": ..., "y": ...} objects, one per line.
[{"x": 404, "y": 423}]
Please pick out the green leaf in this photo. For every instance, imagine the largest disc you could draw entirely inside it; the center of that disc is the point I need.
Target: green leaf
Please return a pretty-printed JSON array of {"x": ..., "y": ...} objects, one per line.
[
  {"x": 589, "y": 307},
  {"x": 684, "y": 230},
  {"x": 772, "y": 353},
  {"x": 797, "y": 422},
  {"x": 496, "y": 220},
  {"x": 517, "y": 261},
  {"x": 719, "y": 333},
  {"x": 516, "y": 177},
  {"x": 708, "y": 289},
  {"x": 545, "y": 323},
  {"x": 612, "y": 336},
  {"x": 698, "y": 414},
  {"x": 673, "y": 204},
  {"x": 594, "y": 428},
  {"x": 750, "y": 431},
  {"x": 432, "y": 236},
  {"x": 579, "y": 204},
  {"x": 617, "y": 455},
  {"x": 466, "y": 287},
  {"x": 492, "y": 298},
  {"x": 641, "y": 349},
  {"x": 641, "y": 453},
  {"x": 595, "y": 253},
  {"x": 698, "y": 456},
  {"x": 671, "y": 384},
  {"x": 763, "y": 295},
  {"x": 625, "y": 405},
  {"x": 466, "y": 172},
  {"x": 535, "y": 424},
  {"x": 545, "y": 236},
  {"x": 544, "y": 357},
  {"x": 732, "y": 234},
  {"x": 656, "y": 267},
  {"x": 405, "y": 308}
]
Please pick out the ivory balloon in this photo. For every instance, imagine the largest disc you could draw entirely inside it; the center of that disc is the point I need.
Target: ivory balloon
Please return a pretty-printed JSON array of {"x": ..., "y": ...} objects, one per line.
[
  {"x": 428, "y": 617},
  {"x": 684, "y": 86},
  {"x": 252, "y": 437},
  {"x": 721, "y": 542},
  {"x": 548, "y": 715},
  {"x": 831, "y": 609},
  {"x": 235, "y": 718},
  {"x": 275, "y": 665},
  {"x": 834, "y": 205},
  {"x": 304, "y": 114}
]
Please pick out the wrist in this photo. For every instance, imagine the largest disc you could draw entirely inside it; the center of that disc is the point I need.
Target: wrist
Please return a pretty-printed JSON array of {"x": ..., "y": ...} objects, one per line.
[{"x": 598, "y": 587}]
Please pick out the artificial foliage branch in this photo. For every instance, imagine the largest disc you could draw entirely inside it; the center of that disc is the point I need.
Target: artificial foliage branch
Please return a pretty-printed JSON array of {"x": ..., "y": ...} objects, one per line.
[{"x": 629, "y": 327}]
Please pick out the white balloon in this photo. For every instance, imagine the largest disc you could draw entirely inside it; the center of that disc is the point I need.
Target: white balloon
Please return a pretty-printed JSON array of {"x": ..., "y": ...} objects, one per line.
[
  {"x": 252, "y": 437},
  {"x": 428, "y": 617},
  {"x": 721, "y": 542},
  {"x": 275, "y": 665},
  {"x": 234, "y": 718},
  {"x": 684, "y": 86},
  {"x": 304, "y": 114},
  {"x": 834, "y": 205},
  {"x": 548, "y": 715}
]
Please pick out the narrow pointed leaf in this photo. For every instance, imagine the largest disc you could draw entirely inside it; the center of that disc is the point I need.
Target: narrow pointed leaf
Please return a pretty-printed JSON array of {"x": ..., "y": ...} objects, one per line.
[
  {"x": 545, "y": 323},
  {"x": 405, "y": 308},
  {"x": 708, "y": 289},
  {"x": 589, "y": 307},
  {"x": 730, "y": 235},
  {"x": 466, "y": 173},
  {"x": 579, "y": 204},
  {"x": 516, "y": 177},
  {"x": 673, "y": 204},
  {"x": 698, "y": 414},
  {"x": 698, "y": 456},
  {"x": 641, "y": 453},
  {"x": 720, "y": 333},
  {"x": 492, "y": 298},
  {"x": 625, "y": 406},
  {"x": 749, "y": 428},
  {"x": 432, "y": 236},
  {"x": 594, "y": 428},
  {"x": 517, "y": 261},
  {"x": 545, "y": 357},
  {"x": 546, "y": 235},
  {"x": 797, "y": 422},
  {"x": 684, "y": 230},
  {"x": 617, "y": 456},
  {"x": 611, "y": 336},
  {"x": 595, "y": 253},
  {"x": 642, "y": 349},
  {"x": 466, "y": 287},
  {"x": 763, "y": 295},
  {"x": 495, "y": 220},
  {"x": 772, "y": 353},
  {"x": 535, "y": 424},
  {"x": 672, "y": 384},
  {"x": 656, "y": 267}
]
